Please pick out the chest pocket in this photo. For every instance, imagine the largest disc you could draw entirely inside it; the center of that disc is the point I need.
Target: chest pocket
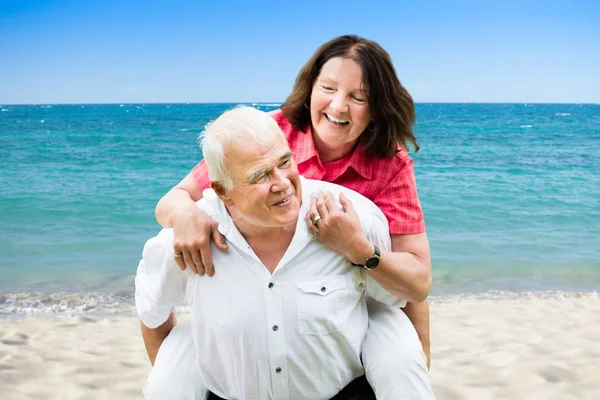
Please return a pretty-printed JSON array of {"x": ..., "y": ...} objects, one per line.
[{"x": 325, "y": 304}]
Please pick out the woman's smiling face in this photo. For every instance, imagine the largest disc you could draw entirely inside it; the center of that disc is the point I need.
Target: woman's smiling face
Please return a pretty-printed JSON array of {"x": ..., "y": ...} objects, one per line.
[{"x": 339, "y": 108}]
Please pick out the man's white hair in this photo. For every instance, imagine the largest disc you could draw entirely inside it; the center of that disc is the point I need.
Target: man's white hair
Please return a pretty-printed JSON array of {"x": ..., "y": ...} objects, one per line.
[{"x": 241, "y": 125}]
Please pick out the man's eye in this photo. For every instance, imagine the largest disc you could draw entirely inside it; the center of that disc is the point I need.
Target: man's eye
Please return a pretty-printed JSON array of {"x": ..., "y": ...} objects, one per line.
[
  {"x": 261, "y": 178},
  {"x": 284, "y": 164}
]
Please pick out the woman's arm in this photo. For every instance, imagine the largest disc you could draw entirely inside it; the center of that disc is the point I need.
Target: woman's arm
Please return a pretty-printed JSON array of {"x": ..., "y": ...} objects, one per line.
[
  {"x": 406, "y": 274},
  {"x": 178, "y": 202},
  {"x": 406, "y": 270},
  {"x": 418, "y": 314},
  {"x": 409, "y": 258},
  {"x": 193, "y": 229}
]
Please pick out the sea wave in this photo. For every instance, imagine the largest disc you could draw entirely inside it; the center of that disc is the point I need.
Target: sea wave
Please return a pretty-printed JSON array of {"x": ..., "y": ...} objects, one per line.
[{"x": 106, "y": 304}]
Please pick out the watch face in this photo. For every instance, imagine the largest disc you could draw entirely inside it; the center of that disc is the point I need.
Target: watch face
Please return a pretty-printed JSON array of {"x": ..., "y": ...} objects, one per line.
[{"x": 372, "y": 262}]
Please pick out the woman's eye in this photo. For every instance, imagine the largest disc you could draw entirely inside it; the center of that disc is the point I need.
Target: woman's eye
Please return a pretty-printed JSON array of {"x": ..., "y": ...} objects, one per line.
[
  {"x": 327, "y": 88},
  {"x": 359, "y": 99}
]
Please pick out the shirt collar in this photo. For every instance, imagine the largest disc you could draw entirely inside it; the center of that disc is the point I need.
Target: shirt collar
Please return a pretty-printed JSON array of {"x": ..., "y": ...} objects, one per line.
[
  {"x": 361, "y": 163},
  {"x": 358, "y": 160}
]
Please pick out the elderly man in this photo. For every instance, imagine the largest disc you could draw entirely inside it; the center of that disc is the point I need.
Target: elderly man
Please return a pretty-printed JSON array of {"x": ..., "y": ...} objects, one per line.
[{"x": 284, "y": 317}]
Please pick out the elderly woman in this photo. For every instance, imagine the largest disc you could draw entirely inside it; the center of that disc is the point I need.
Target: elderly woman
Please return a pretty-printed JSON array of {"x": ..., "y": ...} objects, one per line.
[{"x": 348, "y": 121}]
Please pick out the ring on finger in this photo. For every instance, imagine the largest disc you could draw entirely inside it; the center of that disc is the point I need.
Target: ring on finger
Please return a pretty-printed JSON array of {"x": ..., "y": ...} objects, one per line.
[
  {"x": 316, "y": 219},
  {"x": 177, "y": 255}
]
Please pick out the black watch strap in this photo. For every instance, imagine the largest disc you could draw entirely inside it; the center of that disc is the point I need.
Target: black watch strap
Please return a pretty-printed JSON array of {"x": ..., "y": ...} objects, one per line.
[{"x": 372, "y": 262}]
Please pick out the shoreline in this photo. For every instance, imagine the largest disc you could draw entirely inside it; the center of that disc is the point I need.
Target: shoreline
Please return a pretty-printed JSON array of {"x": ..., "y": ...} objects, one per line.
[{"x": 107, "y": 304}]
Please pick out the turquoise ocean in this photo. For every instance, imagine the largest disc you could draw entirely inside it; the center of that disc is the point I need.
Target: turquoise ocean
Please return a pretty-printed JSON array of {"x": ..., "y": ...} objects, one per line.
[{"x": 511, "y": 195}]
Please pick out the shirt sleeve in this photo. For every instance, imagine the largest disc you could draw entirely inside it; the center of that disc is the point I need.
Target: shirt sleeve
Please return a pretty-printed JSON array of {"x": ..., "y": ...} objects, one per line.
[
  {"x": 379, "y": 236},
  {"x": 200, "y": 174},
  {"x": 159, "y": 283},
  {"x": 400, "y": 203}
]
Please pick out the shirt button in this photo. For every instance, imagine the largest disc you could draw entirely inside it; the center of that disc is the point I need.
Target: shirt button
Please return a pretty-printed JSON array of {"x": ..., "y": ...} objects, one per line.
[
  {"x": 275, "y": 327},
  {"x": 323, "y": 289},
  {"x": 278, "y": 370},
  {"x": 271, "y": 285}
]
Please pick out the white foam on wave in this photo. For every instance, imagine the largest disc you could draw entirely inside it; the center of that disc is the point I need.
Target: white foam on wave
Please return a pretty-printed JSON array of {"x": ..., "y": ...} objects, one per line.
[
  {"x": 509, "y": 295},
  {"x": 562, "y": 114},
  {"x": 5, "y": 110},
  {"x": 69, "y": 304},
  {"x": 267, "y": 104},
  {"x": 526, "y": 126}
]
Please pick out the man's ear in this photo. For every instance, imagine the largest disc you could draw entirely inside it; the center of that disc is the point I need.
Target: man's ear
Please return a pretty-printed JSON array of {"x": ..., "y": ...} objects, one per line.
[{"x": 221, "y": 192}]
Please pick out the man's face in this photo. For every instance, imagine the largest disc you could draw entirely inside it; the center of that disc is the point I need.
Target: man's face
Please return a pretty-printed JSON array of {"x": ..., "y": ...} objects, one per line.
[{"x": 266, "y": 183}]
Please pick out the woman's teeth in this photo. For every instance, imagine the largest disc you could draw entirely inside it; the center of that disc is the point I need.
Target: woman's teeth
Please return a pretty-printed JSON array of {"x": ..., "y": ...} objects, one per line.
[{"x": 336, "y": 121}]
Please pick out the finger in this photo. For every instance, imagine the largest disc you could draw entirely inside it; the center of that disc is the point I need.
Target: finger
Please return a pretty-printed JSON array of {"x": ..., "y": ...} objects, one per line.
[
  {"x": 218, "y": 238},
  {"x": 196, "y": 259},
  {"x": 312, "y": 211},
  {"x": 309, "y": 224},
  {"x": 330, "y": 203},
  {"x": 321, "y": 207},
  {"x": 179, "y": 259},
  {"x": 189, "y": 261},
  {"x": 206, "y": 255},
  {"x": 347, "y": 204}
]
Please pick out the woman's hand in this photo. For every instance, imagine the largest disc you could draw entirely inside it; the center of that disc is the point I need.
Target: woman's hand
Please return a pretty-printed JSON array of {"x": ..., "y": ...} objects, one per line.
[
  {"x": 338, "y": 228},
  {"x": 193, "y": 230}
]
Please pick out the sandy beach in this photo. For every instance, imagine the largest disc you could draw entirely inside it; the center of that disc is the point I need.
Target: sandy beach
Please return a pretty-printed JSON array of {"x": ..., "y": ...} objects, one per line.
[{"x": 520, "y": 347}]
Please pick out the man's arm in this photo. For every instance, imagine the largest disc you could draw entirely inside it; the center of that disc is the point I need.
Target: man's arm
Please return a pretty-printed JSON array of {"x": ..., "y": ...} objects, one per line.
[
  {"x": 153, "y": 338},
  {"x": 160, "y": 286}
]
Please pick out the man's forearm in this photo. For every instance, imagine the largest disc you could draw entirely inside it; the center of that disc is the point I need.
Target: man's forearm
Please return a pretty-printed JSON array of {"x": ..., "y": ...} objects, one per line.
[
  {"x": 418, "y": 313},
  {"x": 153, "y": 338}
]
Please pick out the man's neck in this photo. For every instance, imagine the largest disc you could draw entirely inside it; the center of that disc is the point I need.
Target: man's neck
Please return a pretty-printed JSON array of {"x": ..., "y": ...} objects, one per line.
[{"x": 269, "y": 244}]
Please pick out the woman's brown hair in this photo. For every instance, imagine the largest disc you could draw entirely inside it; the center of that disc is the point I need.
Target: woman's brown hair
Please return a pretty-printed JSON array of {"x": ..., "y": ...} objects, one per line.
[{"x": 391, "y": 106}]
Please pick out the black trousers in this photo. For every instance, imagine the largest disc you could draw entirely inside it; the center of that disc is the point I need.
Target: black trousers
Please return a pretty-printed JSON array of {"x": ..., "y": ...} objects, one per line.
[{"x": 358, "y": 389}]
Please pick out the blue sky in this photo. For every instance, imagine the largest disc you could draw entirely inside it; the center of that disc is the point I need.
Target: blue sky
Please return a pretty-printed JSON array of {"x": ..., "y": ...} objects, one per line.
[{"x": 112, "y": 51}]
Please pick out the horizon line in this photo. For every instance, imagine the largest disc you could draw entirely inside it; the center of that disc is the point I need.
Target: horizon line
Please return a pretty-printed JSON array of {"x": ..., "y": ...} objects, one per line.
[{"x": 278, "y": 103}]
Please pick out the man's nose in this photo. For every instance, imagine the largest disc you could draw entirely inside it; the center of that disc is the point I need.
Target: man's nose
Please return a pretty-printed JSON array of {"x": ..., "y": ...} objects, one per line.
[{"x": 281, "y": 182}]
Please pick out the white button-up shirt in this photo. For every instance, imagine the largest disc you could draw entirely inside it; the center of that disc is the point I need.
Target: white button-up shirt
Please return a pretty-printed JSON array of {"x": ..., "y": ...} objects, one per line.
[{"x": 295, "y": 334}]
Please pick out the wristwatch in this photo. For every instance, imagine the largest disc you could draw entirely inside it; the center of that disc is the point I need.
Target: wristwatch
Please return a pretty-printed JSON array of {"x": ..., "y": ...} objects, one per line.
[{"x": 372, "y": 262}]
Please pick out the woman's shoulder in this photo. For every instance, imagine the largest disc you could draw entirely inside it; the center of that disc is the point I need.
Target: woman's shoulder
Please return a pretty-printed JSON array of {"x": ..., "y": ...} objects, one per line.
[
  {"x": 284, "y": 123},
  {"x": 391, "y": 165}
]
